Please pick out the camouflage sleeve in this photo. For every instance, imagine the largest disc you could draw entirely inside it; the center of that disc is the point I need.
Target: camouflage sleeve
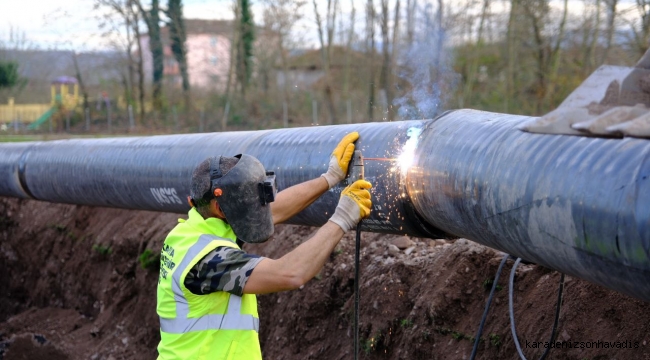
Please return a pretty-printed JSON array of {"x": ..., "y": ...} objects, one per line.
[{"x": 223, "y": 269}]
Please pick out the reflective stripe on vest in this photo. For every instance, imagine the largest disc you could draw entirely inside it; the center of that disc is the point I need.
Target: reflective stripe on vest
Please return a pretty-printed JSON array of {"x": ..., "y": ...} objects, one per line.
[{"x": 232, "y": 320}]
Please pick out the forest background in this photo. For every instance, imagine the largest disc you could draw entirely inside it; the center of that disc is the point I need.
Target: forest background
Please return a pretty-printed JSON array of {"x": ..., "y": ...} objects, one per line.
[{"x": 374, "y": 60}]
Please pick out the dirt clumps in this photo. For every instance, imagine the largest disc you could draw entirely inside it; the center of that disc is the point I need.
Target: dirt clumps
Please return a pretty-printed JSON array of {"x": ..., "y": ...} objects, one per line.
[{"x": 79, "y": 283}]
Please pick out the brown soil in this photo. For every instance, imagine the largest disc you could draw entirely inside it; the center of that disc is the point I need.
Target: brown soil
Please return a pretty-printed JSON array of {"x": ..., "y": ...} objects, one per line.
[{"x": 72, "y": 287}]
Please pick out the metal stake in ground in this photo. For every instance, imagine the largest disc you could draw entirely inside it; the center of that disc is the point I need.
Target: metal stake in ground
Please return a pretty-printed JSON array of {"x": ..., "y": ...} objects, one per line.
[
  {"x": 356, "y": 172},
  {"x": 357, "y": 247}
]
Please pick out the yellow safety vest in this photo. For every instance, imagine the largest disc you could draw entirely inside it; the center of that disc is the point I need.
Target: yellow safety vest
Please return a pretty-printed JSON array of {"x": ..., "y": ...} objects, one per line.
[{"x": 213, "y": 326}]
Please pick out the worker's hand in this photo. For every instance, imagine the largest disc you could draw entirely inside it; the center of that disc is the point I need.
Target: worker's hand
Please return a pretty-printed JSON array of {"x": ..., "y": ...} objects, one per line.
[
  {"x": 354, "y": 205},
  {"x": 340, "y": 159}
]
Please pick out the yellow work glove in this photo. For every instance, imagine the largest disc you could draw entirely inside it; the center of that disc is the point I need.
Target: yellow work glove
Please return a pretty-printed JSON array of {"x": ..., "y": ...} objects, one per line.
[
  {"x": 340, "y": 159},
  {"x": 353, "y": 206}
]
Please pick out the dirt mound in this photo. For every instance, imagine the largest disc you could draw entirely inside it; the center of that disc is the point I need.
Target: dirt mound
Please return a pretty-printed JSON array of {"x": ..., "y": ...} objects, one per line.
[{"x": 79, "y": 282}]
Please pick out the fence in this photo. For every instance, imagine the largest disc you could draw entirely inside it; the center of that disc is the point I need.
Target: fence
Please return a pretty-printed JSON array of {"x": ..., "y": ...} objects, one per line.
[
  {"x": 116, "y": 119},
  {"x": 25, "y": 113}
]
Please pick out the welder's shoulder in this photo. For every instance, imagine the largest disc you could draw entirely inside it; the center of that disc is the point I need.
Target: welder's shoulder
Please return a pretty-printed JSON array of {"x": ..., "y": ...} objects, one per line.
[{"x": 223, "y": 269}]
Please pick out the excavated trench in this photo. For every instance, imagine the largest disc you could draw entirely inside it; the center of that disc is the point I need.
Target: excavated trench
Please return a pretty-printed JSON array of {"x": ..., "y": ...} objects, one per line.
[{"x": 79, "y": 282}]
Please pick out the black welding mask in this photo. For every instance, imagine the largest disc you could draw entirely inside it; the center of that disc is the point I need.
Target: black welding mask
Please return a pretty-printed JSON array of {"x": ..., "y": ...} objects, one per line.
[{"x": 244, "y": 194}]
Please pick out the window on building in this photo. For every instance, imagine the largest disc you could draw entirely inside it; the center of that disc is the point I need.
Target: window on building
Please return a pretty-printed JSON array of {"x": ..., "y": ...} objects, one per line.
[
  {"x": 213, "y": 59},
  {"x": 213, "y": 41}
]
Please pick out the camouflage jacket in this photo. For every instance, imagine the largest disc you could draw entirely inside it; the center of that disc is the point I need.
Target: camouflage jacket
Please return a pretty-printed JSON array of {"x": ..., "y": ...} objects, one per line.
[{"x": 223, "y": 269}]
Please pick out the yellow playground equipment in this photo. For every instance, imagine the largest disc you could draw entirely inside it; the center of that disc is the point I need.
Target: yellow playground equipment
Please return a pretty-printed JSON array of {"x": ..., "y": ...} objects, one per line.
[{"x": 37, "y": 114}]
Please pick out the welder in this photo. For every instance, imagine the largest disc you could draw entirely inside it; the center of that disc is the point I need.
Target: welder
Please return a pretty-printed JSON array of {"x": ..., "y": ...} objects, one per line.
[{"x": 207, "y": 284}]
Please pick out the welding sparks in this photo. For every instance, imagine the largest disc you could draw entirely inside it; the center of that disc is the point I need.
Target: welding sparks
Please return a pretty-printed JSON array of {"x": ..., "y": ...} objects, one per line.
[
  {"x": 407, "y": 157},
  {"x": 405, "y": 160}
]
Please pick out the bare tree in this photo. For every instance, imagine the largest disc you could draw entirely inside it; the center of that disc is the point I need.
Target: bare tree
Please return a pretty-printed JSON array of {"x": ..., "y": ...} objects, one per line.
[
  {"x": 546, "y": 48},
  {"x": 370, "y": 53},
  {"x": 590, "y": 36},
  {"x": 178, "y": 37},
  {"x": 82, "y": 86},
  {"x": 138, "y": 38},
  {"x": 128, "y": 18},
  {"x": 511, "y": 48},
  {"x": 384, "y": 74},
  {"x": 348, "y": 54},
  {"x": 411, "y": 6},
  {"x": 117, "y": 26},
  {"x": 280, "y": 16},
  {"x": 554, "y": 56},
  {"x": 245, "y": 44},
  {"x": 394, "y": 52},
  {"x": 233, "y": 53},
  {"x": 640, "y": 37},
  {"x": 326, "y": 47},
  {"x": 609, "y": 32},
  {"x": 473, "y": 57},
  {"x": 152, "y": 19}
]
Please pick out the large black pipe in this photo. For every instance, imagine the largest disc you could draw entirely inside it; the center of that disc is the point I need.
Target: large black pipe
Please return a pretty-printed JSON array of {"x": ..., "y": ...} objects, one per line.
[
  {"x": 152, "y": 173},
  {"x": 577, "y": 205}
]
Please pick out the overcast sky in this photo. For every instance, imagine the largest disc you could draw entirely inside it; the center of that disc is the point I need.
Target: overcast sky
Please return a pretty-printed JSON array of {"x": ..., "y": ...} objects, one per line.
[
  {"x": 73, "y": 24},
  {"x": 65, "y": 24}
]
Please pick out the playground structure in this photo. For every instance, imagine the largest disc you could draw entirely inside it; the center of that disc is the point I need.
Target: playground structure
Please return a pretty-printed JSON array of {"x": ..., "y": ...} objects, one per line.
[{"x": 37, "y": 114}]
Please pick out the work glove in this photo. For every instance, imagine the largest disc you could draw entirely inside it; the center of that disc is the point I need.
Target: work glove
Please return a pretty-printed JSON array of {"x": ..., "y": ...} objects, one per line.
[
  {"x": 353, "y": 206},
  {"x": 340, "y": 159}
]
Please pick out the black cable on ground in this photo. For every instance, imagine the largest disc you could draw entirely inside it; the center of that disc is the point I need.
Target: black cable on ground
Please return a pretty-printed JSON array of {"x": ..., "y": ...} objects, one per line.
[
  {"x": 477, "y": 338},
  {"x": 512, "y": 312},
  {"x": 357, "y": 248}
]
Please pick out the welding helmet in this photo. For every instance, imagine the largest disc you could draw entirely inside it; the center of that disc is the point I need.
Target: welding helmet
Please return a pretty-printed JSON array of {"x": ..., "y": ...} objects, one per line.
[{"x": 244, "y": 194}]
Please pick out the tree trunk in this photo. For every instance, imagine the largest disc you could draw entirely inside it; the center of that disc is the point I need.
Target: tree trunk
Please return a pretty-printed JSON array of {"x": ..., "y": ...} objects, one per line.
[
  {"x": 246, "y": 40},
  {"x": 642, "y": 35},
  {"x": 129, "y": 57},
  {"x": 233, "y": 50},
  {"x": 474, "y": 56},
  {"x": 370, "y": 53},
  {"x": 554, "y": 58},
  {"x": 178, "y": 38},
  {"x": 384, "y": 81},
  {"x": 391, "y": 70},
  {"x": 592, "y": 34},
  {"x": 511, "y": 51},
  {"x": 411, "y": 6},
  {"x": 348, "y": 53},
  {"x": 611, "y": 18},
  {"x": 285, "y": 68},
  {"x": 437, "y": 78},
  {"x": 158, "y": 55},
  {"x": 82, "y": 87},
  {"x": 152, "y": 19},
  {"x": 535, "y": 15},
  {"x": 141, "y": 90},
  {"x": 325, "y": 55}
]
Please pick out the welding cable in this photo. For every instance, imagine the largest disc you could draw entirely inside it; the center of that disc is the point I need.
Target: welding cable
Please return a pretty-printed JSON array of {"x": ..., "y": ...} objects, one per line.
[
  {"x": 512, "y": 312},
  {"x": 477, "y": 338},
  {"x": 357, "y": 247}
]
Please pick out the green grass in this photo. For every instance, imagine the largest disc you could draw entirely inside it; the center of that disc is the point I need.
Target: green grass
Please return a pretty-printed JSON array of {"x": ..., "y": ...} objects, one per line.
[
  {"x": 495, "y": 339},
  {"x": 455, "y": 334},
  {"x": 45, "y": 137},
  {"x": 369, "y": 345},
  {"x": 18, "y": 138},
  {"x": 148, "y": 260},
  {"x": 102, "y": 249},
  {"x": 406, "y": 323},
  {"x": 487, "y": 284},
  {"x": 58, "y": 227}
]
